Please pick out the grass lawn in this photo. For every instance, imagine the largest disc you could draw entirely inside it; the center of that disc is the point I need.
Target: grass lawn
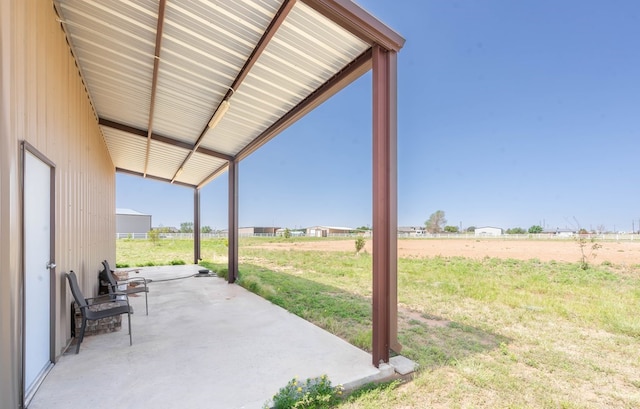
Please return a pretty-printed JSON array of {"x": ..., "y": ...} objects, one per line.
[{"x": 487, "y": 333}]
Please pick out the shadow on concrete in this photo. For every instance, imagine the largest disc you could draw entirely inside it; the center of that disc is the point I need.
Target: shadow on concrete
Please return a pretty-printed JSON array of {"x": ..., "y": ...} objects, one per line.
[{"x": 429, "y": 340}]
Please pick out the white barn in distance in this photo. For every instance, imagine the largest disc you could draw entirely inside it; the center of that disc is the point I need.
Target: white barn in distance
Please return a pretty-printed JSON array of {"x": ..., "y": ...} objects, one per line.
[{"x": 131, "y": 222}]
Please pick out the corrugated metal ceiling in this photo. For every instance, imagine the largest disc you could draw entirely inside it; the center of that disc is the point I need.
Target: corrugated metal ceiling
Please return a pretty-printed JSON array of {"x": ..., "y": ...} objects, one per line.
[{"x": 204, "y": 48}]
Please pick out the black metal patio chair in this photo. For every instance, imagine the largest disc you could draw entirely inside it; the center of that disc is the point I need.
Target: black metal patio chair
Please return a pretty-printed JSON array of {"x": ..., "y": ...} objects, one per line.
[
  {"x": 88, "y": 314},
  {"x": 134, "y": 285}
]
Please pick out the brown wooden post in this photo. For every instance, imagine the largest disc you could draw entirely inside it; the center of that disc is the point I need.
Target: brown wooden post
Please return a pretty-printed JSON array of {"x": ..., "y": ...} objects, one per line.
[
  {"x": 233, "y": 222},
  {"x": 196, "y": 226},
  {"x": 384, "y": 204}
]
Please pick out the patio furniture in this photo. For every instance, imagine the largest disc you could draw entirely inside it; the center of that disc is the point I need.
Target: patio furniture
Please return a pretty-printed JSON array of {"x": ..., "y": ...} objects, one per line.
[
  {"x": 133, "y": 285},
  {"x": 119, "y": 307}
]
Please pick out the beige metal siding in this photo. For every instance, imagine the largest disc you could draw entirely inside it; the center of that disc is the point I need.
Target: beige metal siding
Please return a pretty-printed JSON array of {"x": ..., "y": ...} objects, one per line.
[{"x": 44, "y": 102}]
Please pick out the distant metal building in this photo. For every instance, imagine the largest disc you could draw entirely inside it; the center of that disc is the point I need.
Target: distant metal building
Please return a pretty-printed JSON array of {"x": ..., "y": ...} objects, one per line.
[
  {"x": 326, "y": 231},
  {"x": 131, "y": 222},
  {"x": 257, "y": 231},
  {"x": 411, "y": 231},
  {"x": 488, "y": 231}
]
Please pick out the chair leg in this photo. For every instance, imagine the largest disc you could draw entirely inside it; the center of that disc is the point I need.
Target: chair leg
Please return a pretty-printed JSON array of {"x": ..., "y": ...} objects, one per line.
[
  {"x": 146, "y": 302},
  {"x": 129, "y": 319},
  {"x": 84, "y": 325}
]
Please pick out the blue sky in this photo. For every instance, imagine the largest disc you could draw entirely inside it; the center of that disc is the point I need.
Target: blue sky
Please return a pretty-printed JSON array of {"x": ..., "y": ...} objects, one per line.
[{"x": 510, "y": 114}]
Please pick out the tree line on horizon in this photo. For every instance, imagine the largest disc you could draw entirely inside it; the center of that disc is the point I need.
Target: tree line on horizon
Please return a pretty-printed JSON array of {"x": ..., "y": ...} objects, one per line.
[{"x": 437, "y": 223}]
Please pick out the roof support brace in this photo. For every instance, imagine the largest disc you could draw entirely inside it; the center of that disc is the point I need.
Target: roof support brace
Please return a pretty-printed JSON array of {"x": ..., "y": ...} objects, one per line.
[
  {"x": 196, "y": 226},
  {"x": 275, "y": 24},
  {"x": 154, "y": 81},
  {"x": 233, "y": 222},
  {"x": 385, "y": 222}
]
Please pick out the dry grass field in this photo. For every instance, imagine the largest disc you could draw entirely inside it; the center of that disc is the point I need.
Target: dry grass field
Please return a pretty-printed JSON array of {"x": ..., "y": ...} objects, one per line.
[
  {"x": 614, "y": 252},
  {"x": 498, "y": 323}
]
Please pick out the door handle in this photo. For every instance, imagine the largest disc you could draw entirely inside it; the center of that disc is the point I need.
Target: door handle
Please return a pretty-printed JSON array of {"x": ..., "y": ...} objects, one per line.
[{"x": 51, "y": 265}]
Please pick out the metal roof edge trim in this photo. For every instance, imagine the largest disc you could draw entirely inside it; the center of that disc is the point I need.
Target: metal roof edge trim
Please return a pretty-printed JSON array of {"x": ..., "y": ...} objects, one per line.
[
  {"x": 58, "y": 10},
  {"x": 67, "y": 35},
  {"x": 358, "y": 21}
]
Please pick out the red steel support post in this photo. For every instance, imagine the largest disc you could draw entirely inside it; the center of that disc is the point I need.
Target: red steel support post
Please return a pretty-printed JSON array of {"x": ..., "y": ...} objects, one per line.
[
  {"x": 196, "y": 226},
  {"x": 233, "y": 222},
  {"x": 384, "y": 204}
]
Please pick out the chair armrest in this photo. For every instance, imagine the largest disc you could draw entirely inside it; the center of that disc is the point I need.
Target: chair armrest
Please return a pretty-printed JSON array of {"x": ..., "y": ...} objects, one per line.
[
  {"x": 106, "y": 298},
  {"x": 136, "y": 270},
  {"x": 134, "y": 280}
]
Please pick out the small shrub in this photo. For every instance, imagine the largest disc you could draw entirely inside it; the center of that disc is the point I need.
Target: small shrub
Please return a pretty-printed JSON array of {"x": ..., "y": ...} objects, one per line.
[
  {"x": 154, "y": 236},
  {"x": 588, "y": 248},
  {"x": 177, "y": 262},
  {"x": 122, "y": 265},
  {"x": 314, "y": 393},
  {"x": 360, "y": 242},
  {"x": 287, "y": 233}
]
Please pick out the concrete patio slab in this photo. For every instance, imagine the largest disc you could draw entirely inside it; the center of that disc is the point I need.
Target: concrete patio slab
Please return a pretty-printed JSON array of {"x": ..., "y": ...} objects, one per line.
[{"x": 204, "y": 344}]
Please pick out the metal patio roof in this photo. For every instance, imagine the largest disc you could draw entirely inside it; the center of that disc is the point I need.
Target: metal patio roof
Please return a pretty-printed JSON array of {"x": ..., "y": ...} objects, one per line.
[{"x": 180, "y": 87}]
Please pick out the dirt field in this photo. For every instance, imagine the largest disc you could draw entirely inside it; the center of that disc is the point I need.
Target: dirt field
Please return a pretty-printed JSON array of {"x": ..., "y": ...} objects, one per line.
[{"x": 621, "y": 253}]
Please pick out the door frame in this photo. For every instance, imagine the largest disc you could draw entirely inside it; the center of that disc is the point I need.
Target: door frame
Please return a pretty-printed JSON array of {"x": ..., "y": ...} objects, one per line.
[{"x": 24, "y": 148}]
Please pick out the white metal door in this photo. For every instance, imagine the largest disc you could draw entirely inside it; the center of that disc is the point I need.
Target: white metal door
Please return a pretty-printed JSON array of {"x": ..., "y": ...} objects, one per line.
[{"x": 37, "y": 279}]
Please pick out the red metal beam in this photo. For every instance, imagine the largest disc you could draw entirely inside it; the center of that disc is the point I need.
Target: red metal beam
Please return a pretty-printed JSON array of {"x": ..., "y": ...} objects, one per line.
[
  {"x": 384, "y": 202},
  {"x": 134, "y": 173},
  {"x": 271, "y": 30},
  {"x": 160, "y": 138},
  {"x": 233, "y": 223},
  {"x": 359, "y": 22},
  {"x": 154, "y": 81},
  {"x": 213, "y": 175},
  {"x": 346, "y": 76}
]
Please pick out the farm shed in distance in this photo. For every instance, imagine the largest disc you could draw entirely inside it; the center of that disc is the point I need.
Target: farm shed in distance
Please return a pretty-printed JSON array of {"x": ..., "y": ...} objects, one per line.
[
  {"x": 326, "y": 231},
  {"x": 293, "y": 232},
  {"x": 257, "y": 231},
  {"x": 488, "y": 231},
  {"x": 560, "y": 232},
  {"x": 130, "y": 221}
]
